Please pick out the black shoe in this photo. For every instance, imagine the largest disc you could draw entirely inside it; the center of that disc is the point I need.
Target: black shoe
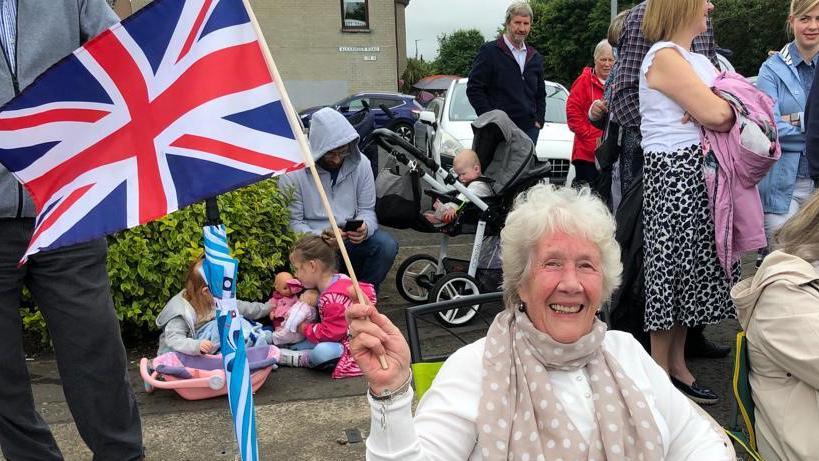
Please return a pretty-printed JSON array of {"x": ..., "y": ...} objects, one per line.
[
  {"x": 695, "y": 392},
  {"x": 700, "y": 347}
]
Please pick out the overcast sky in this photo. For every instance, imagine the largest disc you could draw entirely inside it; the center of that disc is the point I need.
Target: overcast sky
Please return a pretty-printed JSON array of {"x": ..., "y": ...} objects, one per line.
[{"x": 427, "y": 19}]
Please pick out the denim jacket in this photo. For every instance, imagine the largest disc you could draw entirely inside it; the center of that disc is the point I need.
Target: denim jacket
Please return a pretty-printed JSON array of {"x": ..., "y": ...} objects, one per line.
[{"x": 779, "y": 79}]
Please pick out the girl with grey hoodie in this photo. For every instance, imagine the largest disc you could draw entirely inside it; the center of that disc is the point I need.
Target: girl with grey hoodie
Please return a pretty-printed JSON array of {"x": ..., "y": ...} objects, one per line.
[{"x": 190, "y": 313}]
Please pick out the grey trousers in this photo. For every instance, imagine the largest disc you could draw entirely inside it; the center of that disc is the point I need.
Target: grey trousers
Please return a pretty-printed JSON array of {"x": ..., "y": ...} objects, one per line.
[{"x": 70, "y": 286}]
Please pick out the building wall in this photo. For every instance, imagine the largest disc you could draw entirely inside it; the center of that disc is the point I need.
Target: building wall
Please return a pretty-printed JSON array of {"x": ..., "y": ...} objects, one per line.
[
  {"x": 317, "y": 61},
  {"x": 400, "y": 13}
]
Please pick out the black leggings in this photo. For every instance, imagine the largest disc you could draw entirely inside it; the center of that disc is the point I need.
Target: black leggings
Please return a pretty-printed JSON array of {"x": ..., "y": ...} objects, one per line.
[{"x": 584, "y": 173}]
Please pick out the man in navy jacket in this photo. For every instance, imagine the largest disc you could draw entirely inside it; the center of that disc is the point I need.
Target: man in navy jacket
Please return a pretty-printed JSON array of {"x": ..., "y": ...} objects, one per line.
[{"x": 508, "y": 75}]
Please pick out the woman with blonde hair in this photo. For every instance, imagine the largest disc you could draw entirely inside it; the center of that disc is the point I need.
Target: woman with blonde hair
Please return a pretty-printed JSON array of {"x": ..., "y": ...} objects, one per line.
[
  {"x": 787, "y": 77},
  {"x": 779, "y": 310},
  {"x": 685, "y": 284}
]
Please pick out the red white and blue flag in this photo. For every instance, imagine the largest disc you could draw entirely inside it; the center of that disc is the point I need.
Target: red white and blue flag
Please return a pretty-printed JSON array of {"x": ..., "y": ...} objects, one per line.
[{"x": 173, "y": 105}]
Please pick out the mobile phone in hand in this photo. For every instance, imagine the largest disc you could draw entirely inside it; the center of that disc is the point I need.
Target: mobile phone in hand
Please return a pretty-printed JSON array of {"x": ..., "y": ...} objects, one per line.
[{"x": 353, "y": 225}]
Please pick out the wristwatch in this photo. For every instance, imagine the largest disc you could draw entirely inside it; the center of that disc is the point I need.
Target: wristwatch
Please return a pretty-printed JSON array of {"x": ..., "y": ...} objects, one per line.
[{"x": 793, "y": 118}]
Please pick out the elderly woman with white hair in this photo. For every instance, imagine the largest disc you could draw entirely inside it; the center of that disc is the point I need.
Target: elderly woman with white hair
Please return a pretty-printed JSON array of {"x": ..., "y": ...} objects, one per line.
[
  {"x": 548, "y": 381},
  {"x": 587, "y": 89}
]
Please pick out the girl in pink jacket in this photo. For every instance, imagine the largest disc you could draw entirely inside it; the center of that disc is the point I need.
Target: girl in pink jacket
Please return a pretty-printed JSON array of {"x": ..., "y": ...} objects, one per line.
[{"x": 314, "y": 262}]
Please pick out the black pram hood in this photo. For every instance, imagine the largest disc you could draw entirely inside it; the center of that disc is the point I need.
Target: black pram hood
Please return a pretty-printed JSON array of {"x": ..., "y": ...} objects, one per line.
[{"x": 506, "y": 153}]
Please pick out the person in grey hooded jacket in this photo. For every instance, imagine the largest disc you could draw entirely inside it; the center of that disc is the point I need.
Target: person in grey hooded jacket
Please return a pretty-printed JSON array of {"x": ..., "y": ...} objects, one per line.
[
  {"x": 70, "y": 284},
  {"x": 181, "y": 324},
  {"x": 348, "y": 181}
]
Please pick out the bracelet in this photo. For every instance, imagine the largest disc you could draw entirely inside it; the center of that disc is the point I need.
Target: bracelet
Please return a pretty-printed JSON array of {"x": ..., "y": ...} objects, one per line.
[{"x": 389, "y": 394}]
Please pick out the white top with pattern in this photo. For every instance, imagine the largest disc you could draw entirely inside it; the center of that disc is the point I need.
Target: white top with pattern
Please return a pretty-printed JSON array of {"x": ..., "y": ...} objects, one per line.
[{"x": 444, "y": 423}]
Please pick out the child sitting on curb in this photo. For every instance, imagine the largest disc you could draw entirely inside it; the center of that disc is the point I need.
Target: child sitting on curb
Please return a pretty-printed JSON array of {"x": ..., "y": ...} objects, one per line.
[
  {"x": 188, "y": 320},
  {"x": 314, "y": 261}
]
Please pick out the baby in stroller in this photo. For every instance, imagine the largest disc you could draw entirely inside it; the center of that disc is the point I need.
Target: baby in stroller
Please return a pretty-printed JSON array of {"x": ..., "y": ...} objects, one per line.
[{"x": 467, "y": 167}]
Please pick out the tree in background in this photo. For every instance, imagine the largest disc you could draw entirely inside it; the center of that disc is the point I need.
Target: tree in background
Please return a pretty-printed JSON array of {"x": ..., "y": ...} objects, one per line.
[
  {"x": 750, "y": 28},
  {"x": 416, "y": 70},
  {"x": 457, "y": 50},
  {"x": 565, "y": 33}
]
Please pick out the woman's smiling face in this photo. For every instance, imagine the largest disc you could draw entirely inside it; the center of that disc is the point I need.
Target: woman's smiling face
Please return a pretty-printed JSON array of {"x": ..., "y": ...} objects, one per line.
[
  {"x": 563, "y": 288},
  {"x": 806, "y": 28}
]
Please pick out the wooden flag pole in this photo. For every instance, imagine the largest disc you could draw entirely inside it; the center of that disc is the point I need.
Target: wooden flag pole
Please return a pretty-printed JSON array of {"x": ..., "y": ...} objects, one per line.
[{"x": 308, "y": 160}]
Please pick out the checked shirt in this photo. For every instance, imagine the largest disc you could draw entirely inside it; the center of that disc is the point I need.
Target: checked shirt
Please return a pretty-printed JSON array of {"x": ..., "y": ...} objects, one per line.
[{"x": 632, "y": 48}]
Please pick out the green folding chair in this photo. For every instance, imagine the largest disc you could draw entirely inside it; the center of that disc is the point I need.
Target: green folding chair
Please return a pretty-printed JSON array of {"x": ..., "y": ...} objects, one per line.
[
  {"x": 425, "y": 367},
  {"x": 743, "y": 432},
  {"x": 422, "y": 375}
]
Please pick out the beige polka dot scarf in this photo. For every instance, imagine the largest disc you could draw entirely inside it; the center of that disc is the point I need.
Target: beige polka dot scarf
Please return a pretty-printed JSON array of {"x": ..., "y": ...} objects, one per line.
[{"x": 521, "y": 418}]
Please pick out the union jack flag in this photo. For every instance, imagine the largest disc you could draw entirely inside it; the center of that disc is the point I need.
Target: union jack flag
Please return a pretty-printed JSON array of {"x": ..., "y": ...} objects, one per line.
[{"x": 171, "y": 106}]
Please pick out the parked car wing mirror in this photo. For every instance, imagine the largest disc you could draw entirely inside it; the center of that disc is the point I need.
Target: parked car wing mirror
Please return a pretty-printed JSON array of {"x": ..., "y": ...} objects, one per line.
[
  {"x": 343, "y": 108},
  {"x": 428, "y": 117}
]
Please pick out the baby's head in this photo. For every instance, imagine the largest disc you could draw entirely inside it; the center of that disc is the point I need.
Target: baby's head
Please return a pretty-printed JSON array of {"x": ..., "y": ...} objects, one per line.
[
  {"x": 281, "y": 286},
  {"x": 467, "y": 166},
  {"x": 309, "y": 297}
]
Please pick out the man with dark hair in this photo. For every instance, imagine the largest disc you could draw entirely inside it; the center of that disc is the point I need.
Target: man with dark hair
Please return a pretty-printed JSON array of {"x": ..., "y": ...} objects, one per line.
[
  {"x": 508, "y": 75},
  {"x": 70, "y": 284}
]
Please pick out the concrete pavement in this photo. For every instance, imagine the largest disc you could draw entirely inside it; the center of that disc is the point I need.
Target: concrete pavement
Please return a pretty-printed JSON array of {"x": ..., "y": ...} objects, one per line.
[{"x": 301, "y": 414}]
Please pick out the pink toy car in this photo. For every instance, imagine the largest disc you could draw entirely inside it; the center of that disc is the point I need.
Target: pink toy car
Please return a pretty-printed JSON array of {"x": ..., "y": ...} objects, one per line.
[{"x": 196, "y": 377}]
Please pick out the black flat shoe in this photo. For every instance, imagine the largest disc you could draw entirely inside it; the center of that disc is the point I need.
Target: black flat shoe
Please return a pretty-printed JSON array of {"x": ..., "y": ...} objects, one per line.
[
  {"x": 695, "y": 392},
  {"x": 699, "y": 347}
]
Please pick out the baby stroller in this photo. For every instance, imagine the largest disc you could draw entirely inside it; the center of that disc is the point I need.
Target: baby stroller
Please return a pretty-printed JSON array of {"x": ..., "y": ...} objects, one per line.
[
  {"x": 407, "y": 186},
  {"x": 196, "y": 377}
]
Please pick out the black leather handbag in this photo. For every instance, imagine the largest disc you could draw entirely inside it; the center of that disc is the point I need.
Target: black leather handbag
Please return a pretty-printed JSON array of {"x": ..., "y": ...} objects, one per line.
[{"x": 606, "y": 154}]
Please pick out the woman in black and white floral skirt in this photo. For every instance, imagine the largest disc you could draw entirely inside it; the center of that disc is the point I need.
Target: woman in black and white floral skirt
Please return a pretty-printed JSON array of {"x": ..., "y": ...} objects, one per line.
[{"x": 685, "y": 285}]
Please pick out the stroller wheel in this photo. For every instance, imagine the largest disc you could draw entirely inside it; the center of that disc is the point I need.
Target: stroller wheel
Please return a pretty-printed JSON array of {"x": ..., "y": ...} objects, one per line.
[
  {"x": 415, "y": 276},
  {"x": 453, "y": 286}
]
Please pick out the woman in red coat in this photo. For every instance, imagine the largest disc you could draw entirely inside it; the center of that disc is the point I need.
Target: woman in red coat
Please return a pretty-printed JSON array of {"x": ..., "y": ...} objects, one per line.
[{"x": 585, "y": 90}]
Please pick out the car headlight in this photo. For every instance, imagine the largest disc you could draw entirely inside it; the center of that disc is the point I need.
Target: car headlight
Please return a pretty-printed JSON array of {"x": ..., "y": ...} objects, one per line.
[{"x": 450, "y": 146}]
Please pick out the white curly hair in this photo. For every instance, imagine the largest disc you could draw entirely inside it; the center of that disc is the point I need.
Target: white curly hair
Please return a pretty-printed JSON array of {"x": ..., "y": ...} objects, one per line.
[{"x": 543, "y": 210}]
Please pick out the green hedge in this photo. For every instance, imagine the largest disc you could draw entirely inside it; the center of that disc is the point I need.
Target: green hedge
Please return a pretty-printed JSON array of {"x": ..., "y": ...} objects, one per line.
[{"x": 147, "y": 264}]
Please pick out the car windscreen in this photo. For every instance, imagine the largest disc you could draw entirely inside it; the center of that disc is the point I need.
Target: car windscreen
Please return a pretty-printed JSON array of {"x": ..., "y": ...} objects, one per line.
[
  {"x": 459, "y": 108},
  {"x": 461, "y": 111},
  {"x": 555, "y": 104}
]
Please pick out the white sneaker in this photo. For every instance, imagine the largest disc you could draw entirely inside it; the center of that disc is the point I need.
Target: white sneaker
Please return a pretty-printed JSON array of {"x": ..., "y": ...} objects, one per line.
[{"x": 290, "y": 358}]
